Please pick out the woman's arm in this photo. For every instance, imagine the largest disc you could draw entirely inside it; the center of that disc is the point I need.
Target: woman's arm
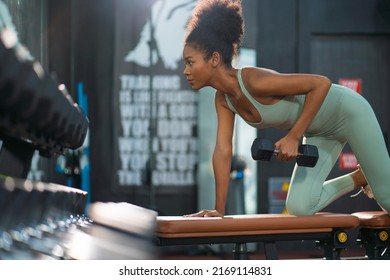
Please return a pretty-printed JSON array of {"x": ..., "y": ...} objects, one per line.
[
  {"x": 264, "y": 83},
  {"x": 222, "y": 157},
  {"x": 223, "y": 151}
]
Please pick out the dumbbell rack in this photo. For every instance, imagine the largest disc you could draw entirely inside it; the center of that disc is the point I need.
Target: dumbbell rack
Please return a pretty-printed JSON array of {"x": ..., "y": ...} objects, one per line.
[
  {"x": 44, "y": 220},
  {"x": 36, "y": 114},
  {"x": 37, "y": 218}
]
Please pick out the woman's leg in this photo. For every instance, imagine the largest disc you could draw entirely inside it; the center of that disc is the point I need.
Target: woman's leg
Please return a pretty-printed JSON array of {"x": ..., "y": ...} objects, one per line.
[
  {"x": 367, "y": 142},
  {"x": 360, "y": 128},
  {"x": 309, "y": 193}
]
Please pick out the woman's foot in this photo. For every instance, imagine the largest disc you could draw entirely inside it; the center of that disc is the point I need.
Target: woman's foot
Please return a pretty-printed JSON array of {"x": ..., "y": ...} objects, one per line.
[{"x": 360, "y": 181}]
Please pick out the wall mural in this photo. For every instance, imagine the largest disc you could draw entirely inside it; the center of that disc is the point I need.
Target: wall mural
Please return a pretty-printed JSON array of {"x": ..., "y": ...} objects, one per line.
[{"x": 155, "y": 128}]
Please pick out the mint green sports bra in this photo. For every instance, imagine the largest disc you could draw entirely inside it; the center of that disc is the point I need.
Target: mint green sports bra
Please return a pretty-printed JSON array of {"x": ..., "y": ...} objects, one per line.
[{"x": 283, "y": 114}]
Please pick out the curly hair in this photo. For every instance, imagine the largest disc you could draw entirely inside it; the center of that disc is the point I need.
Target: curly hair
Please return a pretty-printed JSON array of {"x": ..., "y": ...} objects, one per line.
[{"x": 216, "y": 26}]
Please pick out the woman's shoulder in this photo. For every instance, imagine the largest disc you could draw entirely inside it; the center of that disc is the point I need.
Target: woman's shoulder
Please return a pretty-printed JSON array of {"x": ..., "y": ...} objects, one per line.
[
  {"x": 255, "y": 71},
  {"x": 252, "y": 77}
]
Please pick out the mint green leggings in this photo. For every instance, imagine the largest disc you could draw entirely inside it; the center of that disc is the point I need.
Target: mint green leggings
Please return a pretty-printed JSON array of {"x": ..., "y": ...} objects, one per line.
[{"x": 355, "y": 124}]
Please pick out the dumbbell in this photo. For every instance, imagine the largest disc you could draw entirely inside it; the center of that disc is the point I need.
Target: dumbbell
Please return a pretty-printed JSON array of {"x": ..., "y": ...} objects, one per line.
[{"x": 263, "y": 149}]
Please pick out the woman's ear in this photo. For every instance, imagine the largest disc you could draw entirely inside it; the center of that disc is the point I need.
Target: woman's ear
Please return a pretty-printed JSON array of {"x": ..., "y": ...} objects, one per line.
[{"x": 215, "y": 59}]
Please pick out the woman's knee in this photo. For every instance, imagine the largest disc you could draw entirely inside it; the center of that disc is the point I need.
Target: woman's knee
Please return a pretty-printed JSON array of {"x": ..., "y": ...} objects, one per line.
[{"x": 299, "y": 208}]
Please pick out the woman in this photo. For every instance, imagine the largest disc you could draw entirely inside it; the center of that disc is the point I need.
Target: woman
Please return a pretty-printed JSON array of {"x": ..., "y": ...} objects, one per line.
[{"x": 309, "y": 107}]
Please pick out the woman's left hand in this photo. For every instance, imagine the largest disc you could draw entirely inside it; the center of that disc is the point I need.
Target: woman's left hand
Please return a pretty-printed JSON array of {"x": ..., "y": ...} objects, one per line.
[{"x": 205, "y": 213}]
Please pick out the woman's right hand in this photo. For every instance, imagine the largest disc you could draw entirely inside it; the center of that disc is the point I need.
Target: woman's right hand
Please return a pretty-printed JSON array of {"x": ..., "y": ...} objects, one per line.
[
  {"x": 205, "y": 213},
  {"x": 288, "y": 148}
]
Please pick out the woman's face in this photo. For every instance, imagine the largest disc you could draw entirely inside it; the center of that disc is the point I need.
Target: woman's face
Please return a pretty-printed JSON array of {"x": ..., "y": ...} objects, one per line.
[{"x": 197, "y": 69}]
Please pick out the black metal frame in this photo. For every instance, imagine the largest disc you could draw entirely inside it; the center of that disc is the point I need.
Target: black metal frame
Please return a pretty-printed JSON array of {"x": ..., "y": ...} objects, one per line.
[
  {"x": 376, "y": 248},
  {"x": 328, "y": 240}
]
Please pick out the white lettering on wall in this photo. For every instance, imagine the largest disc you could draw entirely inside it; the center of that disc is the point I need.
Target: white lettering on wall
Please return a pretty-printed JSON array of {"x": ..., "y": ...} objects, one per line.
[{"x": 174, "y": 145}]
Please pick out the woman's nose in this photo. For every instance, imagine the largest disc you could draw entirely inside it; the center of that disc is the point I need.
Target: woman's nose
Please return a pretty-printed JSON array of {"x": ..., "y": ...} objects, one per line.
[{"x": 186, "y": 71}]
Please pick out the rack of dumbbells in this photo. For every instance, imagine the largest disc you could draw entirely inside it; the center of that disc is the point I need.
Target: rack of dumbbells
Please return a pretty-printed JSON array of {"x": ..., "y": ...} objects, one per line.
[
  {"x": 45, "y": 220},
  {"x": 36, "y": 114}
]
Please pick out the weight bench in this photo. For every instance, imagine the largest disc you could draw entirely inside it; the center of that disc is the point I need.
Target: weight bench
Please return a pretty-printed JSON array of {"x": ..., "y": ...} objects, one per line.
[
  {"x": 374, "y": 233},
  {"x": 328, "y": 229}
]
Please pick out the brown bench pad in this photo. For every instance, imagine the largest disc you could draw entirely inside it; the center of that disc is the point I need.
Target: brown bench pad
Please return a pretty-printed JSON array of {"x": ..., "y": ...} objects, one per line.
[
  {"x": 256, "y": 224},
  {"x": 373, "y": 219}
]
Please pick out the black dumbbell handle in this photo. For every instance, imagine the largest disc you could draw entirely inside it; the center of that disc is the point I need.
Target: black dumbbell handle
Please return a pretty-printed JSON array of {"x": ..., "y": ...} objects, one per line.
[{"x": 276, "y": 152}]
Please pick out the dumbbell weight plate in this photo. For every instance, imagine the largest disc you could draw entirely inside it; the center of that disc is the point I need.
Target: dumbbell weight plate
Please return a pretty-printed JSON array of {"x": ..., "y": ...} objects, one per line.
[
  {"x": 308, "y": 155},
  {"x": 262, "y": 149}
]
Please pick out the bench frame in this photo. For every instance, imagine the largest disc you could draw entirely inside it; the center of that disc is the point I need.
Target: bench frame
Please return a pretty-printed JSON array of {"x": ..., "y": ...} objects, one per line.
[
  {"x": 329, "y": 241},
  {"x": 328, "y": 231},
  {"x": 374, "y": 234}
]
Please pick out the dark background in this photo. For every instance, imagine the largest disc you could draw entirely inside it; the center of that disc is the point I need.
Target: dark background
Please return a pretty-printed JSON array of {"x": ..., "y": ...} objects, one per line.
[{"x": 336, "y": 38}]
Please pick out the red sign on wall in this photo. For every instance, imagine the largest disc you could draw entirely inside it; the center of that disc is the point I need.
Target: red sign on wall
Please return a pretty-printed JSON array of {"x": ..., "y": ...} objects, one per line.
[
  {"x": 347, "y": 161},
  {"x": 354, "y": 84}
]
